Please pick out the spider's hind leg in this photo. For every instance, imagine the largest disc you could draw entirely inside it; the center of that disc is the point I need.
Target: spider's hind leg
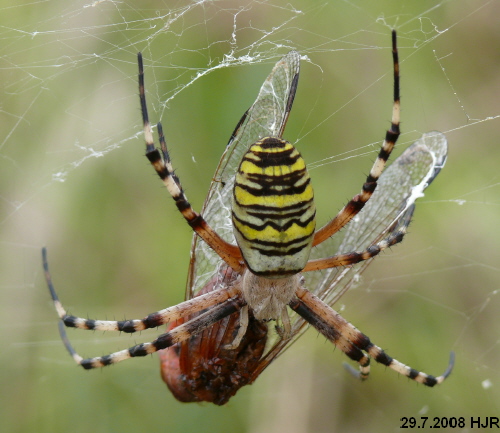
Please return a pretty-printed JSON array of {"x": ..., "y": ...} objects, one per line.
[
  {"x": 357, "y": 203},
  {"x": 160, "y": 160}
]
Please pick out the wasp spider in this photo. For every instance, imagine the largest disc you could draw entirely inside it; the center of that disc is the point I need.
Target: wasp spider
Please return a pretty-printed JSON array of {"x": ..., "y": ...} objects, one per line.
[{"x": 219, "y": 334}]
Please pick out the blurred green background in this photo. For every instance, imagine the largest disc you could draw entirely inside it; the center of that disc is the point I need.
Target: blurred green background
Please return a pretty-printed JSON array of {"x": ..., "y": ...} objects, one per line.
[{"x": 73, "y": 178}]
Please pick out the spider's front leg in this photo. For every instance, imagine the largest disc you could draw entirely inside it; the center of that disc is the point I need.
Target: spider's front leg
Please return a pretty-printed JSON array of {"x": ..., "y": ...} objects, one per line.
[
  {"x": 176, "y": 335},
  {"x": 152, "y": 320},
  {"x": 219, "y": 304},
  {"x": 160, "y": 160},
  {"x": 353, "y": 342}
]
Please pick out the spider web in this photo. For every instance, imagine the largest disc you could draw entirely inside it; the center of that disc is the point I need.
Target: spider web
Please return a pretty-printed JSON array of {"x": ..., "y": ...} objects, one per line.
[{"x": 73, "y": 178}]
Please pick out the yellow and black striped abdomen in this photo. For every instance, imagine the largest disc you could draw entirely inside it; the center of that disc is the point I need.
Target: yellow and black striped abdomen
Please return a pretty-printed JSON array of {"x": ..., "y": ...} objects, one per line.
[{"x": 273, "y": 209}]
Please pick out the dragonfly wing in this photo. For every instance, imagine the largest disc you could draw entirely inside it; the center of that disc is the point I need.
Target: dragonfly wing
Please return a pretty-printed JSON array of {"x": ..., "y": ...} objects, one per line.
[
  {"x": 394, "y": 200},
  {"x": 266, "y": 117},
  {"x": 399, "y": 186}
]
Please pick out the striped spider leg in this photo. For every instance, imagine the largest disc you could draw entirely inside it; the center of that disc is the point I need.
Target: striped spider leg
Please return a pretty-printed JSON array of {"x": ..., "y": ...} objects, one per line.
[
  {"x": 387, "y": 216},
  {"x": 261, "y": 198},
  {"x": 357, "y": 203},
  {"x": 227, "y": 301},
  {"x": 160, "y": 160}
]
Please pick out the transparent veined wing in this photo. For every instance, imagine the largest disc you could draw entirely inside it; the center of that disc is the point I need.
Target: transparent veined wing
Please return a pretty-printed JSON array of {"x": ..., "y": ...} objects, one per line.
[
  {"x": 392, "y": 202},
  {"x": 266, "y": 117},
  {"x": 399, "y": 186},
  {"x": 204, "y": 368}
]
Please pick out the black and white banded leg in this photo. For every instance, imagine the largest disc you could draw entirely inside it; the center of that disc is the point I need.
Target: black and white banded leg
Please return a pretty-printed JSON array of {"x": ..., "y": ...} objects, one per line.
[
  {"x": 357, "y": 203},
  {"x": 353, "y": 342},
  {"x": 160, "y": 160}
]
